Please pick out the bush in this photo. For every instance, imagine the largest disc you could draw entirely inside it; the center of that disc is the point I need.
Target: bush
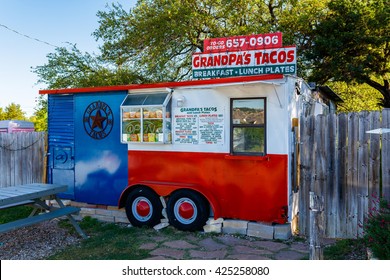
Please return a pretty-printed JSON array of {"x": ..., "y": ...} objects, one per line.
[{"x": 377, "y": 229}]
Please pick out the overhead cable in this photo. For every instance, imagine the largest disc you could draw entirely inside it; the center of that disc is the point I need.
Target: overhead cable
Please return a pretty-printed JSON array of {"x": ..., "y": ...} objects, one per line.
[{"x": 29, "y": 37}]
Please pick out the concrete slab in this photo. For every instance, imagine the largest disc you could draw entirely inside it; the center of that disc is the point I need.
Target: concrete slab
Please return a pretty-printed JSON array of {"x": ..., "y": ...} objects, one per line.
[
  {"x": 300, "y": 247},
  {"x": 248, "y": 257},
  {"x": 260, "y": 230},
  {"x": 211, "y": 221},
  {"x": 179, "y": 244},
  {"x": 148, "y": 246},
  {"x": 168, "y": 252},
  {"x": 235, "y": 227},
  {"x": 229, "y": 240},
  {"x": 282, "y": 232},
  {"x": 211, "y": 245},
  {"x": 215, "y": 228},
  {"x": 289, "y": 255},
  {"x": 250, "y": 250},
  {"x": 208, "y": 255},
  {"x": 270, "y": 245}
]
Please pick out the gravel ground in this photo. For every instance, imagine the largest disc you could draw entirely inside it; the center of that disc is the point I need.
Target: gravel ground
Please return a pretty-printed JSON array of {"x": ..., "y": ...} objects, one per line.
[{"x": 35, "y": 242}]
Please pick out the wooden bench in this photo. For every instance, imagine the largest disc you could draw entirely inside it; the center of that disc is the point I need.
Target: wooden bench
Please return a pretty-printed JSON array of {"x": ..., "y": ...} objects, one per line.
[
  {"x": 36, "y": 195},
  {"x": 38, "y": 218},
  {"x": 21, "y": 203}
]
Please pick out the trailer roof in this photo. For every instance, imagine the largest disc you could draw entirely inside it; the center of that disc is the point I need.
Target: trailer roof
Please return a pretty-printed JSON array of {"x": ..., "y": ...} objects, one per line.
[{"x": 163, "y": 85}]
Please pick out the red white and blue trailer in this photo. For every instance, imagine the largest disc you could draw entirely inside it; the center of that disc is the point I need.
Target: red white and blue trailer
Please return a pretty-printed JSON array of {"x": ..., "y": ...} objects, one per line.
[{"x": 219, "y": 147}]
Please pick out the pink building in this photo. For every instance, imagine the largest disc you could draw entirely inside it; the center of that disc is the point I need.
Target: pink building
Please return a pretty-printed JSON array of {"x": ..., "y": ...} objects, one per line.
[{"x": 11, "y": 126}]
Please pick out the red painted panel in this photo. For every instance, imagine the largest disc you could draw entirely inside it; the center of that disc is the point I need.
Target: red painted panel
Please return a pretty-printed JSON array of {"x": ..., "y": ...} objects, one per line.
[{"x": 242, "y": 187}]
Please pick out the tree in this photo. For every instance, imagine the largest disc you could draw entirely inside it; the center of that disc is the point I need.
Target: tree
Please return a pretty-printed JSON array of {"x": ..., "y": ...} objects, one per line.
[
  {"x": 12, "y": 112},
  {"x": 159, "y": 37},
  {"x": 69, "y": 67},
  {"x": 352, "y": 44},
  {"x": 297, "y": 23},
  {"x": 155, "y": 40},
  {"x": 356, "y": 97},
  {"x": 40, "y": 115}
]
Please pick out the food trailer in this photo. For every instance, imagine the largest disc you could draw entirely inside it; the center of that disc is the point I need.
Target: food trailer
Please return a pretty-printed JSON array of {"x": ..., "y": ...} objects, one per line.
[
  {"x": 215, "y": 147},
  {"x": 218, "y": 147}
]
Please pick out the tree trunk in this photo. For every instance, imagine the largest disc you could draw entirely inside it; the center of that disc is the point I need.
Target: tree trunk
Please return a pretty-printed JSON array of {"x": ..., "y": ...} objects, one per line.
[{"x": 383, "y": 89}]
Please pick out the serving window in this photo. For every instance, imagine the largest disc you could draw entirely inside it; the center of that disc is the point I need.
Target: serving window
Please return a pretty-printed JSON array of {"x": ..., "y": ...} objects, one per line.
[
  {"x": 146, "y": 118},
  {"x": 248, "y": 126}
]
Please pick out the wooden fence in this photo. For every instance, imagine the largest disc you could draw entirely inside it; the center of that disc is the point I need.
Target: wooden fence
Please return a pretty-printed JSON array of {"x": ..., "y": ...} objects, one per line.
[
  {"x": 22, "y": 158},
  {"x": 347, "y": 166}
]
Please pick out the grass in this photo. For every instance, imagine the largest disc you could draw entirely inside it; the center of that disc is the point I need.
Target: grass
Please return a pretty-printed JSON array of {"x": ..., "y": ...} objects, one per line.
[
  {"x": 106, "y": 242},
  {"x": 13, "y": 214},
  {"x": 114, "y": 242},
  {"x": 346, "y": 249}
]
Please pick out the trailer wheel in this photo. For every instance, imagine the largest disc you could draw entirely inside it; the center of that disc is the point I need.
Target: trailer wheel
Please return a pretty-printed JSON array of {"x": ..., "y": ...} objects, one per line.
[
  {"x": 187, "y": 210},
  {"x": 143, "y": 207}
]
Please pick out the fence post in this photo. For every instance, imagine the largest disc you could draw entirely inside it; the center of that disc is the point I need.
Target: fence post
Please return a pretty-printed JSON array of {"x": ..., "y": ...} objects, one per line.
[
  {"x": 386, "y": 155},
  {"x": 316, "y": 207}
]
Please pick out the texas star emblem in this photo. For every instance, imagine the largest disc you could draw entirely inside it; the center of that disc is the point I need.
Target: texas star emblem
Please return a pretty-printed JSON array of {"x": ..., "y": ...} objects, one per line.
[{"x": 98, "y": 120}]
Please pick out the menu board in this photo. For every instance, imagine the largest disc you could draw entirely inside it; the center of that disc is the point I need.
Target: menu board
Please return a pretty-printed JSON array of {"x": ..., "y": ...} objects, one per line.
[{"x": 198, "y": 125}]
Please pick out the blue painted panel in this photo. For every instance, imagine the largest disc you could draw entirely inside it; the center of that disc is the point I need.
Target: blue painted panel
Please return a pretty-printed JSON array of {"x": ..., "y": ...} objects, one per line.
[
  {"x": 61, "y": 120},
  {"x": 100, "y": 157},
  {"x": 61, "y": 142}
]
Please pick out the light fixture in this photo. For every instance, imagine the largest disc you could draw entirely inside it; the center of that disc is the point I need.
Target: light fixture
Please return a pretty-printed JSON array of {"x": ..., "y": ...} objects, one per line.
[{"x": 180, "y": 101}]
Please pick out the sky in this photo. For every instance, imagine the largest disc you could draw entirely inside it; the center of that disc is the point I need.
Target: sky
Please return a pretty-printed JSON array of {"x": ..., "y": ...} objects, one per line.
[{"x": 45, "y": 21}]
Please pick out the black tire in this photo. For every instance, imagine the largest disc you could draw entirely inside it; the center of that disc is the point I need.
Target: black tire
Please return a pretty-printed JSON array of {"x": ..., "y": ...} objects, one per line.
[
  {"x": 143, "y": 207},
  {"x": 187, "y": 210}
]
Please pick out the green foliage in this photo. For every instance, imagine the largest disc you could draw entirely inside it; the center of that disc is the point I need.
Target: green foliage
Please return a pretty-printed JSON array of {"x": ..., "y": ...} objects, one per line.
[
  {"x": 13, "y": 214},
  {"x": 351, "y": 44},
  {"x": 12, "y": 112},
  {"x": 69, "y": 67},
  {"x": 346, "y": 249},
  {"x": 297, "y": 23},
  {"x": 106, "y": 241},
  {"x": 377, "y": 229},
  {"x": 40, "y": 115},
  {"x": 356, "y": 97},
  {"x": 109, "y": 241}
]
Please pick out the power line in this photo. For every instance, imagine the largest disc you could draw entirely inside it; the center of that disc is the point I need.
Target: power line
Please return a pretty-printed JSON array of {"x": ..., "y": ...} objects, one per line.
[{"x": 28, "y": 37}]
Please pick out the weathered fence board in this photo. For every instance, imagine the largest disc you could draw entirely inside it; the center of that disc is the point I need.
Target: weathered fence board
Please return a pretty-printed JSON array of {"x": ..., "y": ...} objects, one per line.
[
  {"x": 340, "y": 161},
  {"x": 352, "y": 175},
  {"x": 333, "y": 190},
  {"x": 306, "y": 156},
  {"x": 22, "y": 158},
  {"x": 386, "y": 155},
  {"x": 343, "y": 167},
  {"x": 374, "y": 167}
]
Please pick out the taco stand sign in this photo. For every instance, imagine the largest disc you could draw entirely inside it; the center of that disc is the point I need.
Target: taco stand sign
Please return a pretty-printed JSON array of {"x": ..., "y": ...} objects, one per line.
[{"x": 244, "y": 56}]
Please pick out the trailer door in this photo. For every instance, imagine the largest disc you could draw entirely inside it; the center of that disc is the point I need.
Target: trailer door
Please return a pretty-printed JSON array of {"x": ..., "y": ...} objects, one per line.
[{"x": 61, "y": 142}]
